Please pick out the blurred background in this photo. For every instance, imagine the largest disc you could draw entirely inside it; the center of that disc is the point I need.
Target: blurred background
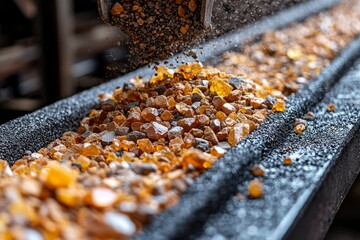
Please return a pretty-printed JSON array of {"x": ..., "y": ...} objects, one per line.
[{"x": 51, "y": 49}]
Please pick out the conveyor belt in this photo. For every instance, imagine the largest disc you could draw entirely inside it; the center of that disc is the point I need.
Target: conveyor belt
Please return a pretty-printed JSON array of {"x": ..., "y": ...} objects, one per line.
[{"x": 321, "y": 175}]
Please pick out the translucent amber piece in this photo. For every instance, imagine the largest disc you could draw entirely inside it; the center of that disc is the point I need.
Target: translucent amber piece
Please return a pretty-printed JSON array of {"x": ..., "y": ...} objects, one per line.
[
  {"x": 255, "y": 189},
  {"x": 287, "y": 161},
  {"x": 90, "y": 150},
  {"x": 21, "y": 208},
  {"x": 258, "y": 170},
  {"x": 117, "y": 9},
  {"x": 279, "y": 106},
  {"x": 217, "y": 151},
  {"x": 145, "y": 145},
  {"x": 127, "y": 145},
  {"x": 220, "y": 87},
  {"x": 300, "y": 128},
  {"x": 167, "y": 115},
  {"x": 56, "y": 175},
  {"x": 221, "y": 116},
  {"x": 331, "y": 107},
  {"x": 69, "y": 196},
  {"x": 197, "y": 159},
  {"x": 83, "y": 161},
  {"x": 3, "y": 165},
  {"x": 192, "y": 5},
  {"x": 294, "y": 54},
  {"x": 236, "y": 134}
]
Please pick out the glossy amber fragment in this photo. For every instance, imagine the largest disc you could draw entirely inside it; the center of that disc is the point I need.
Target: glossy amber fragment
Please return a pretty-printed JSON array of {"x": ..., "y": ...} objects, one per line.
[
  {"x": 145, "y": 145},
  {"x": 56, "y": 175},
  {"x": 258, "y": 170},
  {"x": 220, "y": 87},
  {"x": 300, "y": 128},
  {"x": 279, "y": 105},
  {"x": 287, "y": 161},
  {"x": 255, "y": 189},
  {"x": 331, "y": 107}
]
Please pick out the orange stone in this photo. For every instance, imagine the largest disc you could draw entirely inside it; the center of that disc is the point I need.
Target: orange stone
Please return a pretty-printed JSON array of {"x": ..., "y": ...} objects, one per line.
[
  {"x": 217, "y": 151},
  {"x": 197, "y": 159},
  {"x": 56, "y": 175},
  {"x": 117, "y": 9},
  {"x": 287, "y": 161},
  {"x": 90, "y": 150},
  {"x": 220, "y": 87},
  {"x": 258, "y": 170},
  {"x": 300, "y": 128},
  {"x": 146, "y": 145},
  {"x": 279, "y": 106},
  {"x": 331, "y": 107},
  {"x": 255, "y": 189}
]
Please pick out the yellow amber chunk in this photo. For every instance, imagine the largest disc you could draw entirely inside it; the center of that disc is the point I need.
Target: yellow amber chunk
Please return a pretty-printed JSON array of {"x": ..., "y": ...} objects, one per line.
[
  {"x": 294, "y": 54},
  {"x": 21, "y": 208},
  {"x": 4, "y": 166},
  {"x": 172, "y": 102},
  {"x": 221, "y": 116},
  {"x": 287, "y": 161},
  {"x": 56, "y": 175},
  {"x": 127, "y": 145},
  {"x": 146, "y": 145},
  {"x": 255, "y": 189},
  {"x": 258, "y": 170},
  {"x": 217, "y": 151},
  {"x": 90, "y": 150},
  {"x": 300, "y": 128},
  {"x": 331, "y": 107},
  {"x": 116, "y": 144},
  {"x": 83, "y": 161},
  {"x": 196, "y": 68},
  {"x": 279, "y": 106},
  {"x": 197, "y": 159},
  {"x": 220, "y": 87},
  {"x": 69, "y": 196}
]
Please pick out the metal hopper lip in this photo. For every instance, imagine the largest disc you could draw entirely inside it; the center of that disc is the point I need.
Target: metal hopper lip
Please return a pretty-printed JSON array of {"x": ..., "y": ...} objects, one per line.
[{"x": 37, "y": 129}]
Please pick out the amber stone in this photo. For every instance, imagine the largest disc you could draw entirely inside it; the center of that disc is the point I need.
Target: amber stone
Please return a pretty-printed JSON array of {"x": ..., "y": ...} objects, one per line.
[
  {"x": 167, "y": 115},
  {"x": 300, "y": 128},
  {"x": 149, "y": 114},
  {"x": 156, "y": 131},
  {"x": 255, "y": 189},
  {"x": 117, "y": 9},
  {"x": 279, "y": 105},
  {"x": 228, "y": 108},
  {"x": 220, "y": 87},
  {"x": 146, "y": 145},
  {"x": 69, "y": 196},
  {"x": 217, "y": 151},
  {"x": 287, "y": 161},
  {"x": 187, "y": 123},
  {"x": 90, "y": 150},
  {"x": 197, "y": 159},
  {"x": 56, "y": 175},
  {"x": 331, "y": 107},
  {"x": 258, "y": 170},
  {"x": 235, "y": 136}
]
